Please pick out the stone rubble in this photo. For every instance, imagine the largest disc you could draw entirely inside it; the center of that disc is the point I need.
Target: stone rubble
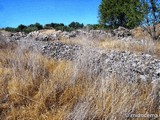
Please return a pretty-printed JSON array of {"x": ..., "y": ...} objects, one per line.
[
  {"x": 17, "y": 36},
  {"x": 60, "y": 50},
  {"x": 121, "y": 33},
  {"x": 126, "y": 65}
]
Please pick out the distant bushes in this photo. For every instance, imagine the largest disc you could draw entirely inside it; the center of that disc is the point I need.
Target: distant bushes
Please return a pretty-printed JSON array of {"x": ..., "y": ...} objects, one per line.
[
  {"x": 57, "y": 26},
  {"x": 10, "y": 29},
  {"x": 37, "y": 26},
  {"x": 24, "y": 28},
  {"x": 76, "y": 25},
  {"x": 60, "y": 26}
]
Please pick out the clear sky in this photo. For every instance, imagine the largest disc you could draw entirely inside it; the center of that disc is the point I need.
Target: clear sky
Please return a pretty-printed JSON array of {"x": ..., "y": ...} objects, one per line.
[{"x": 15, "y": 12}]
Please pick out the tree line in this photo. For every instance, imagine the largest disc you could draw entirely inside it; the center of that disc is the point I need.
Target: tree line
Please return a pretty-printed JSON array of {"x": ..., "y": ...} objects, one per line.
[
  {"x": 37, "y": 26},
  {"x": 57, "y": 26}
]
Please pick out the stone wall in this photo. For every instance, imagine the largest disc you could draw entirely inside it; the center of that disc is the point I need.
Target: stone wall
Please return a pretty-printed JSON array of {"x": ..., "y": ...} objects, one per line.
[{"x": 128, "y": 66}]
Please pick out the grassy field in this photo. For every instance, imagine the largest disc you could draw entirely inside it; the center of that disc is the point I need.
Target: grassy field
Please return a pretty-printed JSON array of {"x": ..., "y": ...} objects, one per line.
[{"x": 34, "y": 87}]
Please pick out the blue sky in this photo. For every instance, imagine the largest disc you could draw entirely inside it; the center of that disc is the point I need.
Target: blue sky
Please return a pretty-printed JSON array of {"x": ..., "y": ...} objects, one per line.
[{"x": 15, "y": 12}]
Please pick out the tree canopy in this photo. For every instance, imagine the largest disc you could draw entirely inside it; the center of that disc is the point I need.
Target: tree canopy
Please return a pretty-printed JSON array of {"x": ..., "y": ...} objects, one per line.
[
  {"x": 76, "y": 25},
  {"x": 127, "y": 13}
]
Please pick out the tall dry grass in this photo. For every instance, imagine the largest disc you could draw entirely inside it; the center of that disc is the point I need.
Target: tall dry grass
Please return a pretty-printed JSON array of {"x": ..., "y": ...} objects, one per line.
[
  {"x": 147, "y": 47},
  {"x": 33, "y": 87}
]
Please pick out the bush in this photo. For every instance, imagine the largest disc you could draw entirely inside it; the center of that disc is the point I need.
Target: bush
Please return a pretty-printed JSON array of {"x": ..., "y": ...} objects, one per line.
[
  {"x": 38, "y": 26},
  {"x": 21, "y": 28},
  {"x": 10, "y": 29},
  {"x": 76, "y": 25},
  {"x": 30, "y": 29}
]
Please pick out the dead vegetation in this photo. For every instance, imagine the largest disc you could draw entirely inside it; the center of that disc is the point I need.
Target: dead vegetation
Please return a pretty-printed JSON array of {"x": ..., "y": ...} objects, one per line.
[
  {"x": 33, "y": 87},
  {"x": 148, "y": 47}
]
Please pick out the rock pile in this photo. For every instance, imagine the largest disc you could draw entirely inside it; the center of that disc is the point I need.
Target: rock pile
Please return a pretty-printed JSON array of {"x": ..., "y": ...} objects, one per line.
[
  {"x": 125, "y": 65},
  {"x": 36, "y": 35},
  {"x": 17, "y": 36},
  {"x": 60, "y": 50},
  {"x": 121, "y": 32},
  {"x": 99, "y": 34},
  {"x": 68, "y": 34},
  {"x": 42, "y": 37}
]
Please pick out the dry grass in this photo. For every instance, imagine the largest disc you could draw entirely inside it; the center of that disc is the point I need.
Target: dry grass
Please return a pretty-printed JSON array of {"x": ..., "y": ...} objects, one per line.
[
  {"x": 149, "y": 46},
  {"x": 33, "y": 87},
  {"x": 48, "y": 31},
  {"x": 75, "y": 41},
  {"x": 140, "y": 33}
]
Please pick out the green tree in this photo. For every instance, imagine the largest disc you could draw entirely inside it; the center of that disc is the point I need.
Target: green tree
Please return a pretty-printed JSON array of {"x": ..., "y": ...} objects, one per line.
[
  {"x": 94, "y": 26},
  {"x": 31, "y": 28},
  {"x": 57, "y": 26},
  {"x": 38, "y": 26},
  {"x": 76, "y": 25},
  {"x": 127, "y": 13},
  {"x": 21, "y": 28}
]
